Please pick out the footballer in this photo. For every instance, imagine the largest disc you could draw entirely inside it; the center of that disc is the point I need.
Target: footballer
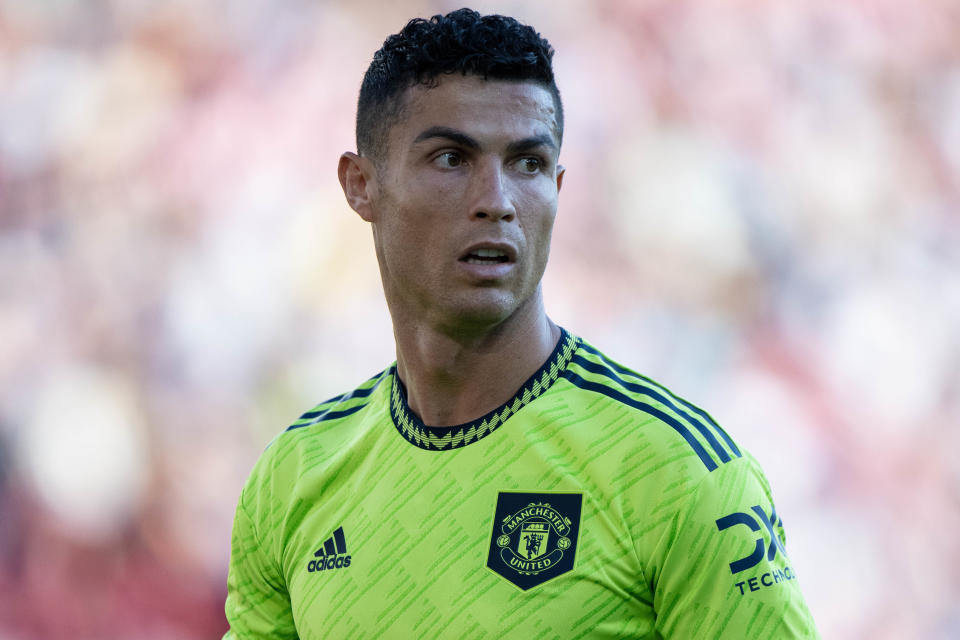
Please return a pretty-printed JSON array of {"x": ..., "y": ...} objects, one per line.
[{"x": 503, "y": 478}]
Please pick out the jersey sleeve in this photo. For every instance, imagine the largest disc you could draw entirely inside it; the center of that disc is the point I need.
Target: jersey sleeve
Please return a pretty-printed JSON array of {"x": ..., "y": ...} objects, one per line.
[
  {"x": 258, "y": 605},
  {"x": 723, "y": 568}
]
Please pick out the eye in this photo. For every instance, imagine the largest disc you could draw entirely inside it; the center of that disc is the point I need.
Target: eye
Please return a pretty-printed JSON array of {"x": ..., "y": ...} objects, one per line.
[
  {"x": 529, "y": 164},
  {"x": 448, "y": 160}
]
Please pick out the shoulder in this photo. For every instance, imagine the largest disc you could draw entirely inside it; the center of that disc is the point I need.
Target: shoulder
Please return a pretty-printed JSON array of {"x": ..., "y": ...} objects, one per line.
[
  {"x": 645, "y": 412},
  {"x": 343, "y": 405},
  {"x": 317, "y": 434}
]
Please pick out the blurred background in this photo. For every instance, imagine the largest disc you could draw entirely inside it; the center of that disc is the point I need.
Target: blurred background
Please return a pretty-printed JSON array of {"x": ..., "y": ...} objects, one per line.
[{"x": 760, "y": 211}]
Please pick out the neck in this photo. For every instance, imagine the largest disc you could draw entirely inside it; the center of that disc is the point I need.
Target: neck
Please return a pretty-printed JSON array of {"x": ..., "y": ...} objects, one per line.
[{"x": 453, "y": 379}]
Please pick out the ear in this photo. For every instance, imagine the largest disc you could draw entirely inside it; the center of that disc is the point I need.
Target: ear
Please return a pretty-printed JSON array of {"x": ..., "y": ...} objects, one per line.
[
  {"x": 561, "y": 170},
  {"x": 359, "y": 182}
]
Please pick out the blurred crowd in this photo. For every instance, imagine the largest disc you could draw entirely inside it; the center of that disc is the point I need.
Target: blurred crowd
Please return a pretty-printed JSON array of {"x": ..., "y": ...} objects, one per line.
[{"x": 761, "y": 211}]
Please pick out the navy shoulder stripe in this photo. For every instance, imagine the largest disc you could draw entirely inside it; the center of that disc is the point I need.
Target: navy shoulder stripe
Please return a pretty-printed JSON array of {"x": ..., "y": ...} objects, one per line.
[
  {"x": 356, "y": 393},
  {"x": 646, "y": 408},
  {"x": 332, "y": 408},
  {"x": 663, "y": 399},
  {"x": 648, "y": 386}
]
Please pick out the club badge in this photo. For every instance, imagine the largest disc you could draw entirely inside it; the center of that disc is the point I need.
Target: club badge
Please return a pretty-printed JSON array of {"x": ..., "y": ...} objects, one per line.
[{"x": 534, "y": 536}]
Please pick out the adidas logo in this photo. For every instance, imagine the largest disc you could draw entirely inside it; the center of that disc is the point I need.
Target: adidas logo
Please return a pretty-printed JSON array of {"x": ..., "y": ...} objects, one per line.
[{"x": 332, "y": 555}]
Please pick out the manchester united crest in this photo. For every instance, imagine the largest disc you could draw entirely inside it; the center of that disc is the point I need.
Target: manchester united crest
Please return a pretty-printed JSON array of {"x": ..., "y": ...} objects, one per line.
[{"x": 534, "y": 536}]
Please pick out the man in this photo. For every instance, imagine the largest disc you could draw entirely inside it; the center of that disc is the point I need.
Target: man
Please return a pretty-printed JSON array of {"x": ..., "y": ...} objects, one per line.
[{"x": 503, "y": 479}]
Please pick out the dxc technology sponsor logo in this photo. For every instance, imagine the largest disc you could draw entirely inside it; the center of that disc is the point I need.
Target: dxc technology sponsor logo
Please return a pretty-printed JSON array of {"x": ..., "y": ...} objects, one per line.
[{"x": 758, "y": 521}]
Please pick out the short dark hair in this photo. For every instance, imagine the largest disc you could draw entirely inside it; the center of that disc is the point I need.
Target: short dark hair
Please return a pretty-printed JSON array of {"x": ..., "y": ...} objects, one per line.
[{"x": 494, "y": 47}]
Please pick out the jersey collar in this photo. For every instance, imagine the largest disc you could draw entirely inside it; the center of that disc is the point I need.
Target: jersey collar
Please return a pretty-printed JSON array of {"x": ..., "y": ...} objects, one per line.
[{"x": 440, "y": 438}]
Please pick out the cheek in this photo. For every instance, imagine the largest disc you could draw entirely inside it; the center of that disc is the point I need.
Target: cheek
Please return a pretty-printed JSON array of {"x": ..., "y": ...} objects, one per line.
[
  {"x": 539, "y": 236},
  {"x": 539, "y": 225},
  {"x": 404, "y": 245},
  {"x": 544, "y": 240},
  {"x": 410, "y": 238}
]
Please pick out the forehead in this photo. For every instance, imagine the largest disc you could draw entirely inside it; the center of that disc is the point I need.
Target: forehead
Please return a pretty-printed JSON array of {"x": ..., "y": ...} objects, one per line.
[{"x": 488, "y": 110}]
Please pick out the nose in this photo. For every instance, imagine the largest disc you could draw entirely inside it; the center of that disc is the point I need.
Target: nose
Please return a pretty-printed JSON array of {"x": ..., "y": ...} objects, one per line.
[{"x": 491, "y": 197}]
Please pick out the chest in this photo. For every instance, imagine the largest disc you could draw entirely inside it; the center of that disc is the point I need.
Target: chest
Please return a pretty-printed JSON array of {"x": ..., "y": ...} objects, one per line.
[{"x": 496, "y": 541}]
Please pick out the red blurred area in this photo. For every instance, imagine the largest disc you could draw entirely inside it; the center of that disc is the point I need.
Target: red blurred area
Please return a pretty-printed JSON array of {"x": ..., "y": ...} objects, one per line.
[{"x": 759, "y": 211}]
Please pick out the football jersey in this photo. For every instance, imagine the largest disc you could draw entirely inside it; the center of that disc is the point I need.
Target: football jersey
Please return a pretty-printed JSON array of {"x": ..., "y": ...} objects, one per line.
[{"x": 594, "y": 504}]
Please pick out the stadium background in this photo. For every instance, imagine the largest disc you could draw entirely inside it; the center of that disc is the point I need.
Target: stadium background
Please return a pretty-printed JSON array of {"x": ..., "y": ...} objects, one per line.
[{"x": 760, "y": 211}]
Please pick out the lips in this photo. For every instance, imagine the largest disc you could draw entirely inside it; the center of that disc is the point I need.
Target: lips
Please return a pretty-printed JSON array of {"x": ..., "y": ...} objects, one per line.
[{"x": 489, "y": 253}]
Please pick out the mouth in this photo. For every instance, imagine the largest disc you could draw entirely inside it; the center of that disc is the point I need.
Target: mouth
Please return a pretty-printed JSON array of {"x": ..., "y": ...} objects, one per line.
[
  {"x": 485, "y": 256},
  {"x": 488, "y": 254}
]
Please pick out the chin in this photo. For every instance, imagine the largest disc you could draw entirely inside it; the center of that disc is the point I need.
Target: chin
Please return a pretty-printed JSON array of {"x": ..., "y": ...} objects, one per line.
[
  {"x": 476, "y": 319},
  {"x": 484, "y": 310},
  {"x": 480, "y": 313}
]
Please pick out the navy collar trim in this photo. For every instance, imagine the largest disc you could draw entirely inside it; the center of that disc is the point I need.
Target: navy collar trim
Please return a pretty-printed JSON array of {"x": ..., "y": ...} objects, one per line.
[{"x": 440, "y": 438}]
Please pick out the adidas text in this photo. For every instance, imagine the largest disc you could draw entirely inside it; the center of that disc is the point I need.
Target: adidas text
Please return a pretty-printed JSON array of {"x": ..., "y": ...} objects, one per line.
[{"x": 331, "y": 562}]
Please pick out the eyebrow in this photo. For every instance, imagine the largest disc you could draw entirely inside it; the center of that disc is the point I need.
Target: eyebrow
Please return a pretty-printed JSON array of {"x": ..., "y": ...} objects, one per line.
[
  {"x": 450, "y": 134},
  {"x": 526, "y": 144},
  {"x": 517, "y": 146}
]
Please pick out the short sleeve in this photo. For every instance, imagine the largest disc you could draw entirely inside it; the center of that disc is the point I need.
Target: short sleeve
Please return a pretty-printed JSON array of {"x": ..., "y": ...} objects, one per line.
[
  {"x": 723, "y": 569},
  {"x": 258, "y": 605}
]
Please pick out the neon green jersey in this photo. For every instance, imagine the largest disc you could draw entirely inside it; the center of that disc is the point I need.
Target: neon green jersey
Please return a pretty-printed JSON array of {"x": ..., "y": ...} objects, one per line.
[{"x": 595, "y": 504}]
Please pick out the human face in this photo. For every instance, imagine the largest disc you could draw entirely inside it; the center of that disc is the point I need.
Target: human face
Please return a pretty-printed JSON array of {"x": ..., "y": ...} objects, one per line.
[{"x": 464, "y": 200}]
